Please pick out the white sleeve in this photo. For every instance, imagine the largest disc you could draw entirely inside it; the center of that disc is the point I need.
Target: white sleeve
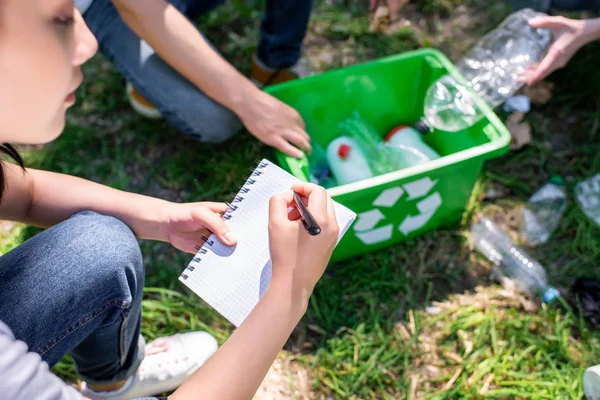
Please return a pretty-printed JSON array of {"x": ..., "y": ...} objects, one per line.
[{"x": 24, "y": 376}]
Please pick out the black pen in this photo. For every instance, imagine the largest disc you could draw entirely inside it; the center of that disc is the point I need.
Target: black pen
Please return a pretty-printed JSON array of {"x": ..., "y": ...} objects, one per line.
[{"x": 308, "y": 220}]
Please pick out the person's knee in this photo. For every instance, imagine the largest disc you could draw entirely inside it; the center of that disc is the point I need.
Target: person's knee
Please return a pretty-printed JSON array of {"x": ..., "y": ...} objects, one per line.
[
  {"x": 108, "y": 252},
  {"x": 207, "y": 122}
]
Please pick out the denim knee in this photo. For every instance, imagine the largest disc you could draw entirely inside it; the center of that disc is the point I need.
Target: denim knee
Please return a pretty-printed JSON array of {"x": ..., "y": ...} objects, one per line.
[
  {"x": 108, "y": 252},
  {"x": 207, "y": 121}
]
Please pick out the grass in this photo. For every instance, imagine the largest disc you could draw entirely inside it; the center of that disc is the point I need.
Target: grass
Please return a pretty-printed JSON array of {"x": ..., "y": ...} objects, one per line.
[{"x": 417, "y": 320}]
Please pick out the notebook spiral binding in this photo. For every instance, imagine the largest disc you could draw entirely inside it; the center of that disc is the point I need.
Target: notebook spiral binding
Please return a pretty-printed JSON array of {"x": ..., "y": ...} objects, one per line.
[{"x": 227, "y": 215}]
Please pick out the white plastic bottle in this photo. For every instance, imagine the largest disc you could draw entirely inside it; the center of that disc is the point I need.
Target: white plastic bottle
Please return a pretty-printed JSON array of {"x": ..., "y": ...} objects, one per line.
[
  {"x": 408, "y": 144},
  {"x": 347, "y": 161}
]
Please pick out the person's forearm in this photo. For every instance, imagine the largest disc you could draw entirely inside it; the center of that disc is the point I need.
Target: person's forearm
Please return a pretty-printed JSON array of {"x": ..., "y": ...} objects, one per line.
[
  {"x": 178, "y": 42},
  {"x": 236, "y": 370},
  {"x": 55, "y": 197}
]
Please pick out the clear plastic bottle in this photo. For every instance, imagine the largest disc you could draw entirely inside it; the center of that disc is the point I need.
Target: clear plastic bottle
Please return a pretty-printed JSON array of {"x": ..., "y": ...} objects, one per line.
[
  {"x": 494, "y": 69},
  {"x": 381, "y": 159},
  {"x": 587, "y": 194},
  {"x": 511, "y": 260},
  {"x": 543, "y": 212}
]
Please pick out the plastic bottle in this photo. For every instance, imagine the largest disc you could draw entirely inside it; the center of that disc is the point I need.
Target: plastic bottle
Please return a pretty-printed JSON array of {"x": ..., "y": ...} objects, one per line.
[
  {"x": 347, "y": 161},
  {"x": 511, "y": 260},
  {"x": 408, "y": 143},
  {"x": 320, "y": 173},
  {"x": 543, "y": 212},
  {"x": 587, "y": 194},
  {"x": 380, "y": 158},
  {"x": 494, "y": 69}
]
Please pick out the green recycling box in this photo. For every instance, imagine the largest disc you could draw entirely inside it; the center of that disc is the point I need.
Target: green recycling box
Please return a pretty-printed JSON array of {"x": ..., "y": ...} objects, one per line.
[{"x": 389, "y": 92}]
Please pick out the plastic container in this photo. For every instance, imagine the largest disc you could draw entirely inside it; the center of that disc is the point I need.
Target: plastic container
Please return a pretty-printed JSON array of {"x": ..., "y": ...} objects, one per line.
[
  {"x": 347, "y": 161},
  {"x": 408, "y": 202},
  {"x": 543, "y": 212},
  {"x": 408, "y": 144},
  {"x": 511, "y": 261}
]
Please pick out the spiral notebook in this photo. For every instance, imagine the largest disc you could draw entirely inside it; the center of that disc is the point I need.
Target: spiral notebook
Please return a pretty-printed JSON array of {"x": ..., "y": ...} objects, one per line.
[{"x": 232, "y": 279}]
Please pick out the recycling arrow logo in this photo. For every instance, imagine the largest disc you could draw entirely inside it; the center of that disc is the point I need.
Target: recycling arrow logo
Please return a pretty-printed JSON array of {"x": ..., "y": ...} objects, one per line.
[{"x": 365, "y": 225}]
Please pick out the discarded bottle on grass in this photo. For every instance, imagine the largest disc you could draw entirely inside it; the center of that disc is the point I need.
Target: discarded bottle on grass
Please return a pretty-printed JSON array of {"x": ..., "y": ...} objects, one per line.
[
  {"x": 511, "y": 261},
  {"x": 494, "y": 68},
  {"x": 543, "y": 212},
  {"x": 587, "y": 194}
]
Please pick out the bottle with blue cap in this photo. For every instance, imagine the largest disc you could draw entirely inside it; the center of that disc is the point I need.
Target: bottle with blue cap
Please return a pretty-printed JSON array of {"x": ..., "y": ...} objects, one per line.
[{"x": 511, "y": 260}]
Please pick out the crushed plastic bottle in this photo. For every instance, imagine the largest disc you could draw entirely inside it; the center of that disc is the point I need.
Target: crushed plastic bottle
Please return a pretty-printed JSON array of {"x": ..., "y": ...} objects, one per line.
[
  {"x": 543, "y": 212},
  {"x": 494, "y": 69},
  {"x": 511, "y": 261},
  {"x": 381, "y": 159},
  {"x": 587, "y": 194}
]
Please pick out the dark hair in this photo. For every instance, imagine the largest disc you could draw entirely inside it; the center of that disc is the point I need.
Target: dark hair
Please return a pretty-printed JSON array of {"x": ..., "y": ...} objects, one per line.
[{"x": 11, "y": 152}]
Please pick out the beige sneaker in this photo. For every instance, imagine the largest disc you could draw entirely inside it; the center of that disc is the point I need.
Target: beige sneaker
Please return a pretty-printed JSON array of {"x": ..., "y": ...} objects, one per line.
[{"x": 140, "y": 104}]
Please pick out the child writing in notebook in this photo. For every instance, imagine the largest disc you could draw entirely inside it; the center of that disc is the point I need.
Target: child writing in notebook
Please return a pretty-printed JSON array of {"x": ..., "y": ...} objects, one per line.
[{"x": 77, "y": 286}]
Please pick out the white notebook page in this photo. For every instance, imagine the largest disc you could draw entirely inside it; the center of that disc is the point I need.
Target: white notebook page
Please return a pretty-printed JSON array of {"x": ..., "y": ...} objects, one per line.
[{"x": 232, "y": 279}]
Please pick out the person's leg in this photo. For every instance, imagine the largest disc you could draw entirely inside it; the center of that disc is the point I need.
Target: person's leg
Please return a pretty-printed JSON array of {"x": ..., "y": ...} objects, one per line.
[
  {"x": 78, "y": 287},
  {"x": 179, "y": 101},
  {"x": 282, "y": 32}
]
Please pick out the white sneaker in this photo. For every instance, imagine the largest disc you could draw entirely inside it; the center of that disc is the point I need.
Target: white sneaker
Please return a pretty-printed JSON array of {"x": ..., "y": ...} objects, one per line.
[{"x": 167, "y": 363}]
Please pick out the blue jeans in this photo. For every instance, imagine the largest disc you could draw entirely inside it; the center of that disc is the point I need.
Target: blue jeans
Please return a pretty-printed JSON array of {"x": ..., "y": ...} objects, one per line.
[
  {"x": 184, "y": 105},
  {"x": 77, "y": 287}
]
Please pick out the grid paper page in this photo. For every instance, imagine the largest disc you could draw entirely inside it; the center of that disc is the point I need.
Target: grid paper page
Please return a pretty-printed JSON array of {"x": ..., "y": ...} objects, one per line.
[{"x": 231, "y": 279}]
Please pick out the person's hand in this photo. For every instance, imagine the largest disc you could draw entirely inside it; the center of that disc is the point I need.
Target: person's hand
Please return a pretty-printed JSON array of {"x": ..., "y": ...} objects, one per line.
[
  {"x": 187, "y": 223},
  {"x": 276, "y": 124},
  {"x": 569, "y": 36},
  {"x": 393, "y": 6},
  {"x": 299, "y": 259}
]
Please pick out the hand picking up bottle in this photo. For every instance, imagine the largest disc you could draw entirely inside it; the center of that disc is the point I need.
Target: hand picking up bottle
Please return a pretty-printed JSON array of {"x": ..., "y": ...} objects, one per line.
[
  {"x": 495, "y": 68},
  {"x": 511, "y": 261}
]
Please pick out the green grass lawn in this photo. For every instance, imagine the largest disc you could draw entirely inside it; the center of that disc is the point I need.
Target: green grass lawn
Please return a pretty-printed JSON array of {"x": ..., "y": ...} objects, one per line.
[{"x": 417, "y": 320}]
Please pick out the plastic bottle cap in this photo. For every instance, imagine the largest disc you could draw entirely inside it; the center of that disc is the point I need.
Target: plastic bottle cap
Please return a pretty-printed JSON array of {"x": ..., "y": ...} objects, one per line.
[
  {"x": 343, "y": 151},
  {"x": 394, "y": 131},
  {"x": 550, "y": 295},
  {"x": 423, "y": 127},
  {"x": 557, "y": 180}
]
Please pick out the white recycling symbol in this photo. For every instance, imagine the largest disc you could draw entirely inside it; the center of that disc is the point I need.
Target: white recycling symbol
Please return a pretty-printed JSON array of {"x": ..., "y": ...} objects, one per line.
[{"x": 367, "y": 221}]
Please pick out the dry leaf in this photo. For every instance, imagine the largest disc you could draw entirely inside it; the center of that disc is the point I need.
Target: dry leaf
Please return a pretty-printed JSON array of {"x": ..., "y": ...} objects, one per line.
[
  {"x": 380, "y": 19},
  {"x": 539, "y": 93},
  {"x": 520, "y": 131}
]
